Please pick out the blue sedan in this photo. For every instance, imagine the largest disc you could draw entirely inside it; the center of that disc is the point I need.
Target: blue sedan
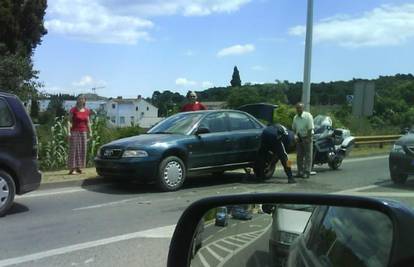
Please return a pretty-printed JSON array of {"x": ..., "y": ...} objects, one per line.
[{"x": 192, "y": 142}]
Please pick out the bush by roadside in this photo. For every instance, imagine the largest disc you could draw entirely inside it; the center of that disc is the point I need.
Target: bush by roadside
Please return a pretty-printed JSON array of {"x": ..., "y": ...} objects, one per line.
[{"x": 53, "y": 141}]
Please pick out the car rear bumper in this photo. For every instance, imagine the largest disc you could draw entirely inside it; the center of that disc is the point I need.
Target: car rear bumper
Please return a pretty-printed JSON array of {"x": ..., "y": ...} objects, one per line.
[
  {"x": 401, "y": 163},
  {"x": 29, "y": 176},
  {"x": 138, "y": 168}
]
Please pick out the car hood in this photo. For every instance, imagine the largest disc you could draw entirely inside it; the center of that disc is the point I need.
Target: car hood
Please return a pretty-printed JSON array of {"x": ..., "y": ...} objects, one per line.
[
  {"x": 292, "y": 221},
  {"x": 407, "y": 139},
  {"x": 146, "y": 140}
]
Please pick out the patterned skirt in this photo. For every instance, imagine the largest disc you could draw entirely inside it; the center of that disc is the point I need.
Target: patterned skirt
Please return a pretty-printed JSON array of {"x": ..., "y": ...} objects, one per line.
[{"x": 77, "y": 150}]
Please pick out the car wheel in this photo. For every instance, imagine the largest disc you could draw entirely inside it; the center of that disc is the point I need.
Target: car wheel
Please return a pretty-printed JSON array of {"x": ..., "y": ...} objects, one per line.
[
  {"x": 264, "y": 167},
  {"x": 7, "y": 192},
  {"x": 398, "y": 178},
  {"x": 172, "y": 173}
]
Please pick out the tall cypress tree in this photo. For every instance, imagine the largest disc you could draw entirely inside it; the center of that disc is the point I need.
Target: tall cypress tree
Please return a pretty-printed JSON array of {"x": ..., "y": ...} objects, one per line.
[{"x": 235, "y": 79}]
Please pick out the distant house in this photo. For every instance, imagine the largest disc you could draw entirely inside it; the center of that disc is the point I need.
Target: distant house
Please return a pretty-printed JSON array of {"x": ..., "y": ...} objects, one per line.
[
  {"x": 68, "y": 104},
  {"x": 120, "y": 112},
  {"x": 214, "y": 105},
  {"x": 126, "y": 112}
]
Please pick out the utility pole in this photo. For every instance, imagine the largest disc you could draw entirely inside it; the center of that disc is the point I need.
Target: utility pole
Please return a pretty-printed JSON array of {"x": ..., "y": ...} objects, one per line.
[{"x": 308, "y": 57}]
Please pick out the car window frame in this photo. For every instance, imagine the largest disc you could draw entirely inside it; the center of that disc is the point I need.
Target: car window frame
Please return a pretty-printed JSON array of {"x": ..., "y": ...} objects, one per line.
[
  {"x": 13, "y": 117},
  {"x": 255, "y": 125},
  {"x": 226, "y": 123}
]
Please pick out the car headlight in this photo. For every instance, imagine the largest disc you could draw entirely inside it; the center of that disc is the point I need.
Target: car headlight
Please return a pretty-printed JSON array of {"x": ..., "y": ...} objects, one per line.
[
  {"x": 135, "y": 154},
  {"x": 287, "y": 238},
  {"x": 398, "y": 149}
]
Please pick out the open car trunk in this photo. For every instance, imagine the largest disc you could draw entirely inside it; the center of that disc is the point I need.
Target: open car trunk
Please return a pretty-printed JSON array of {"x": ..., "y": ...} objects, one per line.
[{"x": 261, "y": 111}]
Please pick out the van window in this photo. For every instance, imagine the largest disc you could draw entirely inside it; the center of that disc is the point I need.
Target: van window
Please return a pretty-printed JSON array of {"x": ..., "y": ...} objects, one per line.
[{"x": 6, "y": 117}]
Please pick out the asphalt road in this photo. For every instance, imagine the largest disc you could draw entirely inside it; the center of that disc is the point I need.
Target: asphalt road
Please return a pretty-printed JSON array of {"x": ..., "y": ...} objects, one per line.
[{"x": 128, "y": 224}]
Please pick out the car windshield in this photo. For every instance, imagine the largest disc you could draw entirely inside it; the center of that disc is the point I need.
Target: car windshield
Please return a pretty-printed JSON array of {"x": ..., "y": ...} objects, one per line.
[{"x": 177, "y": 124}]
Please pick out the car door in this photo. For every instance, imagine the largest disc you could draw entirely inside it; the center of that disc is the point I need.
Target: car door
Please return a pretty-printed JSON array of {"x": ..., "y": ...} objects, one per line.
[
  {"x": 8, "y": 131},
  {"x": 211, "y": 149},
  {"x": 245, "y": 134}
]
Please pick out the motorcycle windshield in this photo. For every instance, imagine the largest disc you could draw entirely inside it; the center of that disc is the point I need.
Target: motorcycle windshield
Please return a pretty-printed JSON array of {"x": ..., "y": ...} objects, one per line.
[{"x": 322, "y": 120}]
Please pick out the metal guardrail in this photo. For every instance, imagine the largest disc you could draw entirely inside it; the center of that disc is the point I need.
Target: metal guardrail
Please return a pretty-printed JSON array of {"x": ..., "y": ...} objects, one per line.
[{"x": 379, "y": 140}]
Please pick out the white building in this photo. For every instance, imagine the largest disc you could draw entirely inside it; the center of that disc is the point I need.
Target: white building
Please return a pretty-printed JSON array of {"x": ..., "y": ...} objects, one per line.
[
  {"x": 126, "y": 112},
  {"x": 68, "y": 104}
]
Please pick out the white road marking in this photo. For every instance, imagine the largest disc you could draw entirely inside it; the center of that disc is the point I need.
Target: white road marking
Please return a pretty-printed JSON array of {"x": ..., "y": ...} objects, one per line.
[
  {"x": 234, "y": 224},
  {"x": 229, "y": 256},
  {"x": 107, "y": 204},
  {"x": 347, "y": 191},
  {"x": 51, "y": 193},
  {"x": 203, "y": 260},
  {"x": 365, "y": 159},
  {"x": 222, "y": 248},
  {"x": 237, "y": 241},
  {"x": 160, "y": 232},
  {"x": 243, "y": 238},
  {"x": 229, "y": 243},
  {"x": 215, "y": 255},
  {"x": 255, "y": 225}
]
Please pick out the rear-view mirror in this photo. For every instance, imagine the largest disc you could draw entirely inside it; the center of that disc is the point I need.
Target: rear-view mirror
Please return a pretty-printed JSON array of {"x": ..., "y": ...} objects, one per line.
[{"x": 283, "y": 230}]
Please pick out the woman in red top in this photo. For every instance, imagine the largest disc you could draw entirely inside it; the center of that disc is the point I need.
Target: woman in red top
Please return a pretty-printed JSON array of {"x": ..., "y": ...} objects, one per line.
[
  {"x": 193, "y": 104},
  {"x": 79, "y": 128}
]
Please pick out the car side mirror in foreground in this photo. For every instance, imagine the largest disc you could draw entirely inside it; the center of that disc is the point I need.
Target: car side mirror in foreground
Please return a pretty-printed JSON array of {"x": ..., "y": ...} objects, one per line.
[
  {"x": 202, "y": 130},
  {"x": 292, "y": 229}
]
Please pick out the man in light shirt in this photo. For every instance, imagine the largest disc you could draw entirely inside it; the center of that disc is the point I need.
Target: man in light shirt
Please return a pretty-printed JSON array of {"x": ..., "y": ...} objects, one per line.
[{"x": 303, "y": 128}]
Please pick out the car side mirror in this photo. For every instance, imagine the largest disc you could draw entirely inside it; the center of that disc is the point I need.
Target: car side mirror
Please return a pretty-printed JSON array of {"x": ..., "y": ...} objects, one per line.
[
  {"x": 358, "y": 230},
  {"x": 202, "y": 130}
]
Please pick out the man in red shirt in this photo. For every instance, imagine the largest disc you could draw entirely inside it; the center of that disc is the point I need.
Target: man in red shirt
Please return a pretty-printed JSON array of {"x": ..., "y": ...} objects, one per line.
[{"x": 193, "y": 104}]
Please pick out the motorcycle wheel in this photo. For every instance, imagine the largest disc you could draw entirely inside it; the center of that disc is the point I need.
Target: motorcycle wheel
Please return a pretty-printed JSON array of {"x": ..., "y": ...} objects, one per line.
[{"x": 335, "y": 164}]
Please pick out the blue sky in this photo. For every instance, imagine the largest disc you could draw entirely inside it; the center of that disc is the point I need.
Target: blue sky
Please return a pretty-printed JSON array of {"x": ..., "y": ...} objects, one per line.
[{"x": 136, "y": 47}]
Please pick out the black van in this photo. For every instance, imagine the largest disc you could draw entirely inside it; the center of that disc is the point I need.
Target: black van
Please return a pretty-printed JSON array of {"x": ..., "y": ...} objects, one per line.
[{"x": 19, "y": 171}]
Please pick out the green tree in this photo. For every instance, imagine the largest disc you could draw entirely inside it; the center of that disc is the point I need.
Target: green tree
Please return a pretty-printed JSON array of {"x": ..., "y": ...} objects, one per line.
[
  {"x": 235, "y": 78},
  {"x": 243, "y": 95},
  {"x": 21, "y": 30},
  {"x": 56, "y": 106},
  {"x": 34, "y": 108}
]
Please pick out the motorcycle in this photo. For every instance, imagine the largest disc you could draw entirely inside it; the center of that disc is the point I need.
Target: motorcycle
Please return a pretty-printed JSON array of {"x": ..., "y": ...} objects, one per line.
[{"x": 330, "y": 145}]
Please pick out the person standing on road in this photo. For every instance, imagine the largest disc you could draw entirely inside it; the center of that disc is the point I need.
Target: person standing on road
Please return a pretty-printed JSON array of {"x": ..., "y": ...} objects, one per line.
[
  {"x": 303, "y": 128},
  {"x": 277, "y": 139},
  {"x": 79, "y": 128},
  {"x": 193, "y": 104}
]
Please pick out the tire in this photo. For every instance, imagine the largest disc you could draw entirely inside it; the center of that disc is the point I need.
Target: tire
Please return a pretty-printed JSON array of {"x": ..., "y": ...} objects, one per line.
[
  {"x": 7, "y": 192},
  {"x": 171, "y": 173},
  {"x": 264, "y": 167},
  {"x": 334, "y": 165},
  {"x": 398, "y": 178}
]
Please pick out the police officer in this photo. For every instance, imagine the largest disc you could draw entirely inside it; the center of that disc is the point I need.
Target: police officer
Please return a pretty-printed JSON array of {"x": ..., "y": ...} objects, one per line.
[{"x": 279, "y": 140}]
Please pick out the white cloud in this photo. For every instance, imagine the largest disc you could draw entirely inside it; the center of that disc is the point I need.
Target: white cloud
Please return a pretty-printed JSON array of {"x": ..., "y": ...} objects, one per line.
[
  {"x": 258, "y": 68},
  {"x": 91, "y": 21},
  {"x": 151, "y": 8},
  {"x": 206, "y": 84},
  {"x": 123, "y": 21},
  {"x": 385, "y": 25},
  {"x": 185, "y": 82},
  {"x": 236, "y": 50},
  {"x": 88, "y": 81}
]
